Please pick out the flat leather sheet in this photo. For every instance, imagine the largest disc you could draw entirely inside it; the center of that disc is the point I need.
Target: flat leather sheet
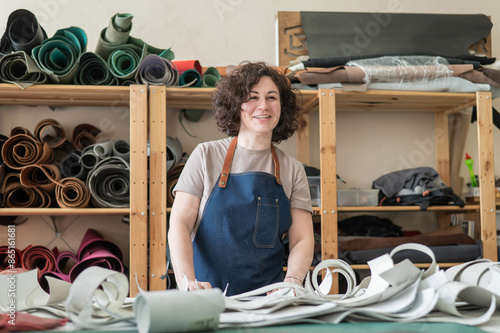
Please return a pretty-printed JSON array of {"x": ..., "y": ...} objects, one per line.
[{"x": 336, "y": 34}]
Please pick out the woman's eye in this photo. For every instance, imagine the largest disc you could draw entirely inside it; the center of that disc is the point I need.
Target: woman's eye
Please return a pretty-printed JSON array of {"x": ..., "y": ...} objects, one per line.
[{"x": 253, "y": 97}]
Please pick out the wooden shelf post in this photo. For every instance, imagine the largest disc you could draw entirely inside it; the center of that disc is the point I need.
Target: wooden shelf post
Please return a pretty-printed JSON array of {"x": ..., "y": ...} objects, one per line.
[
  {"x": 157, "y": 187},
  {"x": 138, "y": 188}
]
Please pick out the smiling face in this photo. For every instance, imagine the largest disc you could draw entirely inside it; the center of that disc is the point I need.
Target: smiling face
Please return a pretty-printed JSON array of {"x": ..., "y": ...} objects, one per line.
[{"x": 261, "y": 113}]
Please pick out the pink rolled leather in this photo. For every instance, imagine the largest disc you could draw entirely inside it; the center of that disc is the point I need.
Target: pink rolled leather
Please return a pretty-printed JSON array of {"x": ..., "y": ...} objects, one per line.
[
  {"x": 65, "y": 261},
  {"x": 101, "y": 258},
  {"x": 93, "y": 241}
]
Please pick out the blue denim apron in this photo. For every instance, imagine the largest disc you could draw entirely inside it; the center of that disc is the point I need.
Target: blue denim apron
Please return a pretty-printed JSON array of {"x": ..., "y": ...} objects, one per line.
[{"x": 239, "y": 240}]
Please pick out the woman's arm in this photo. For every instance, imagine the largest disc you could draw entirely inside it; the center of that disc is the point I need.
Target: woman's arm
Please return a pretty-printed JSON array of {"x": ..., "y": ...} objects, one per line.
[
  {"x": 301, "y": 243},
  {"x": 182, "y": 221}
]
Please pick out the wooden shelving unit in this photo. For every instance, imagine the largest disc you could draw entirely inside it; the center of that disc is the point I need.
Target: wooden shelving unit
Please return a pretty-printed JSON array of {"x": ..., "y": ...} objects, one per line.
[
  {"x": 135, "y": 97},
  {"x": 327, "y": 103}
]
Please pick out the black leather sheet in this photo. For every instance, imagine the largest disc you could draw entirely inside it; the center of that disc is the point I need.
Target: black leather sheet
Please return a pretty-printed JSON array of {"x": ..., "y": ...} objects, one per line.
[{"x": 337, "y": 34}]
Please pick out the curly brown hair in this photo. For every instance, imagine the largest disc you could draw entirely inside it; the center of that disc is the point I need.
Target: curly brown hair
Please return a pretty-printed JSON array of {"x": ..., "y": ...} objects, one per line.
[{"x": 234, "y": 89}]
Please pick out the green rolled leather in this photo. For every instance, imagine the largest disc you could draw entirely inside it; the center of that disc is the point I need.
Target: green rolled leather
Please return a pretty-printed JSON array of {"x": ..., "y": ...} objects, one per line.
[
  {"x": 58, "y": 56},
  {"x": 190, "y": 78},
  {"x": 93, "y": 70},
  {"x": 210, "y": 77},
  {"x": 18, "y": 68},
  {"x": 122, "y": 52}
]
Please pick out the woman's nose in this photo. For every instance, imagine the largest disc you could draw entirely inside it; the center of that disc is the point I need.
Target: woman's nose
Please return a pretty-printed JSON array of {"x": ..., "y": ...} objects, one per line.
[{"x": 263, "y": 104}]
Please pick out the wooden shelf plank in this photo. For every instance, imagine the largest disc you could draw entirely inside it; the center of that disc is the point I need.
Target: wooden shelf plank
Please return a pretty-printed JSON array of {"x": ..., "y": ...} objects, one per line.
[
  {"x": 62, "y": 211},
  {"x": 64, "y": 95}
]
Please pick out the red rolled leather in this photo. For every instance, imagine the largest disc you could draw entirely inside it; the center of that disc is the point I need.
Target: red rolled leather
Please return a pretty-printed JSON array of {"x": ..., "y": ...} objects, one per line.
[
  {"x": 40, "y": 257},
  {"x": 4, "y": 257},
  {"x": 184, "y": 65}
]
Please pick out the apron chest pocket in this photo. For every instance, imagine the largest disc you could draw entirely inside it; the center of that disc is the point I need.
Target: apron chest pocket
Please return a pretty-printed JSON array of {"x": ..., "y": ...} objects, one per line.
[{"x": 267, "y": 222}]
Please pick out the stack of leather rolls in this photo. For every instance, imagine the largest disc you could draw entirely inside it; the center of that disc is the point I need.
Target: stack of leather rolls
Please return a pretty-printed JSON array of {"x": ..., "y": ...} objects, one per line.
[{"x": 88, "y": 174}]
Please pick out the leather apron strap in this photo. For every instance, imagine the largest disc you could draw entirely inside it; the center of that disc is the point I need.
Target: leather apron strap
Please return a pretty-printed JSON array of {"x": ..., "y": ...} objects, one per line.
[{"x": 229, "y": 159}]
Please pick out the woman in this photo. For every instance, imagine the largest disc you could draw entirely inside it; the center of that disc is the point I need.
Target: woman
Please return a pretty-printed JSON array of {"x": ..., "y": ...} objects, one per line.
[{"x": 237, "y": 198}]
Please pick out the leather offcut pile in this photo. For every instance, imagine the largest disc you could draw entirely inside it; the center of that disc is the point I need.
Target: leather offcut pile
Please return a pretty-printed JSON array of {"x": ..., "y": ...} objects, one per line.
[
  {"x": 28, "y": 56},
  {"x": 397, "y": 292},
  {"x": 89, "y": 173}
]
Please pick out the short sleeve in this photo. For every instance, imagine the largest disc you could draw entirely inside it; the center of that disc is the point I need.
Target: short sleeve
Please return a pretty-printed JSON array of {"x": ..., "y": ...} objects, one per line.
[{"x": 300, "y": 196}]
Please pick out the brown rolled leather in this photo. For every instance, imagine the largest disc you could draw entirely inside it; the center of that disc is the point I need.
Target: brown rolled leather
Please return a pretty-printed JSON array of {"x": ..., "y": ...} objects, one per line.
[
  {"x": 16, "y": 195},
  {"x": 84, "y": 135},
  {"x": 44, "y": 176},
  {"x": 22, "y": 150},
  {"x": 20, "y": 130},
  {"x": 3, "y": 139},
  {"x": 72, "y": 193},
  {"x": 172, "y": 178},
  {"x": 368, "y": 243},
  {"x": 51, "y": 132}
]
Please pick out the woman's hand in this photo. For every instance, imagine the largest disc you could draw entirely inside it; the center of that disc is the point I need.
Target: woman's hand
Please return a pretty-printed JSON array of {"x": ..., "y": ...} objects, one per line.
[{"x": 197, "y": 285}]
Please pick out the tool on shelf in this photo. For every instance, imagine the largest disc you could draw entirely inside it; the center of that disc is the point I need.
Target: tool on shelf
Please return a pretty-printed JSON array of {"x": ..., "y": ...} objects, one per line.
[{"x": 469, "y": 162}]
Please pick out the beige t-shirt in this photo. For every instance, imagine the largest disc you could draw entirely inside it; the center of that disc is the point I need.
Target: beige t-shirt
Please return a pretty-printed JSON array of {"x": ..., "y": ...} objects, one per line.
[{"x": 203, "y": 168}]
